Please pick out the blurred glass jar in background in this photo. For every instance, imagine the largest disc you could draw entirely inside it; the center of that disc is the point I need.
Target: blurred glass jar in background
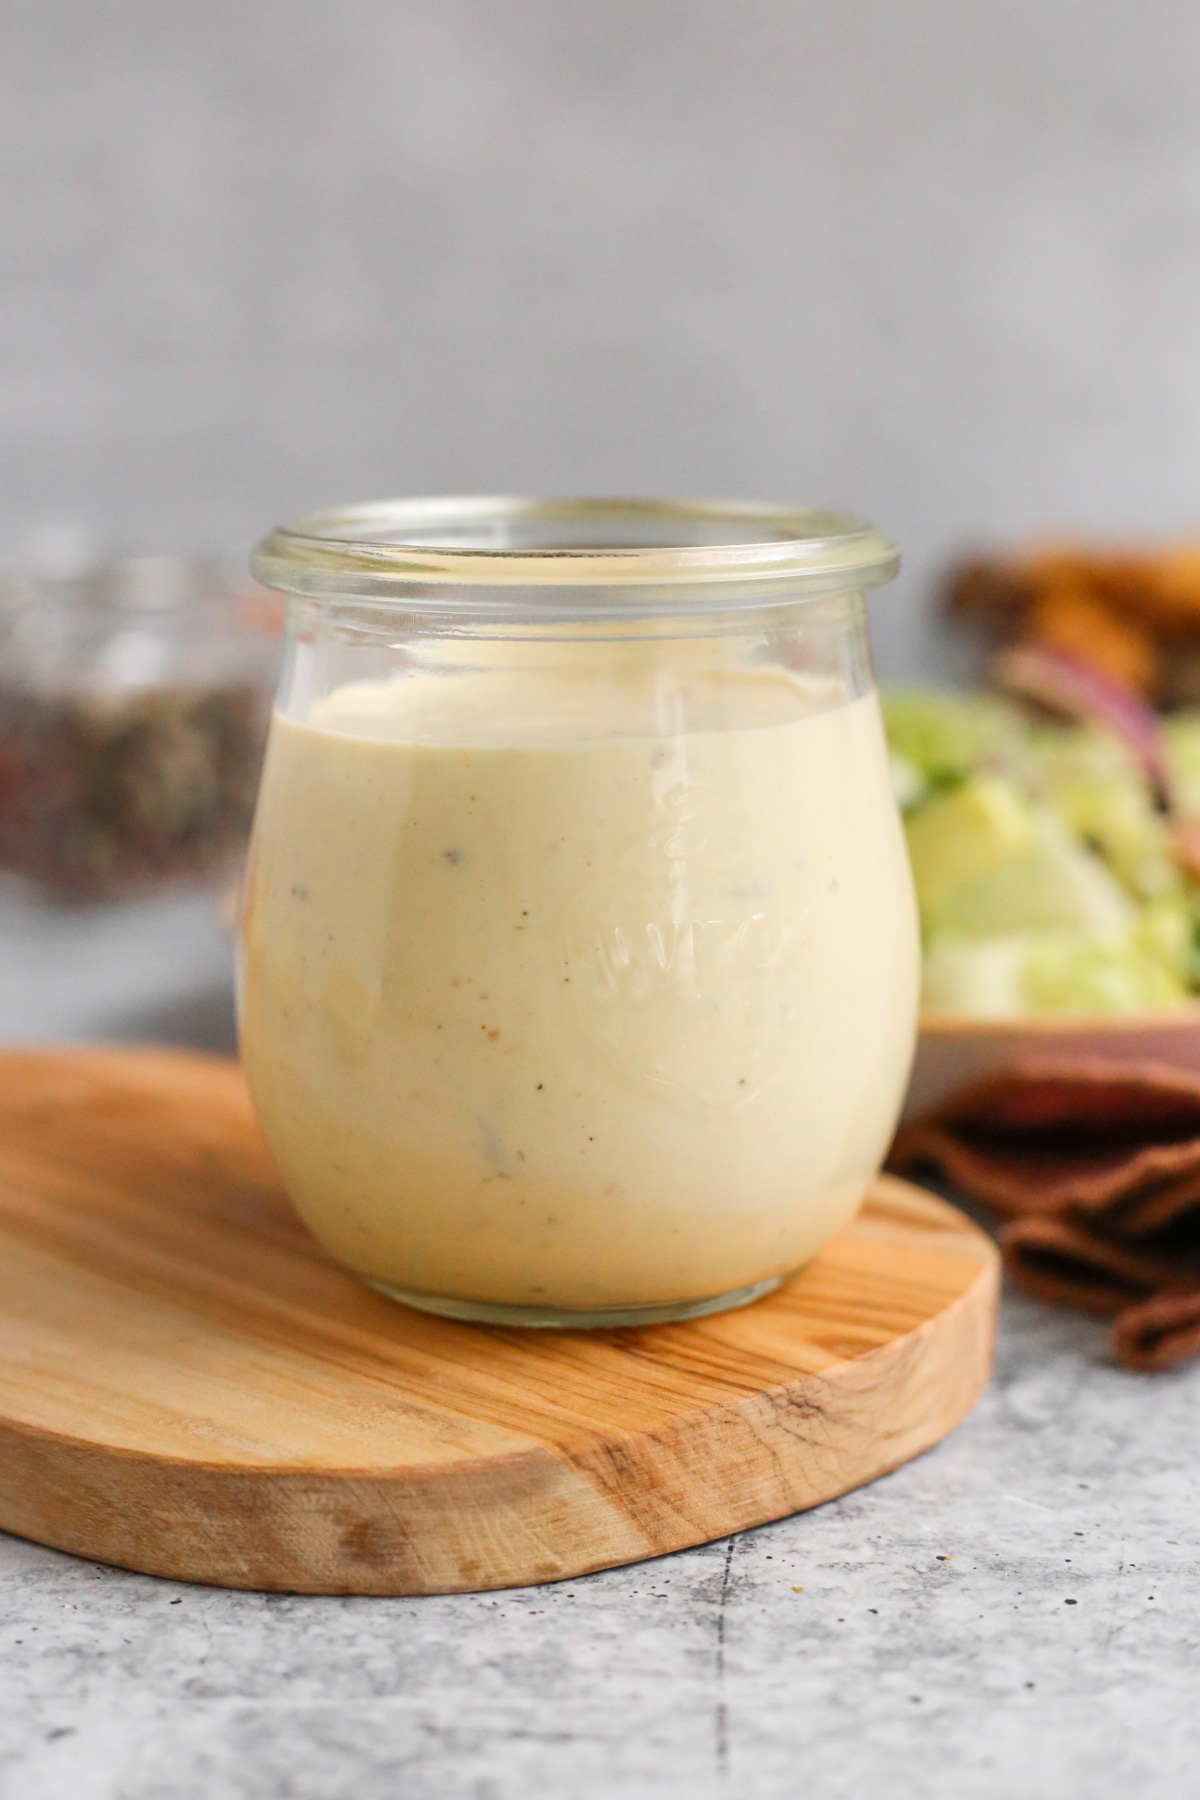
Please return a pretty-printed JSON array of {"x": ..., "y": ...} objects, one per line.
[{"x": 134, "y": 701}]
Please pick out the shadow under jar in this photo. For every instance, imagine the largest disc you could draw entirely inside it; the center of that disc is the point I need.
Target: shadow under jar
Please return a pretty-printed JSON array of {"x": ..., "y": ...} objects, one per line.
[{"x": 579, "y": 961}]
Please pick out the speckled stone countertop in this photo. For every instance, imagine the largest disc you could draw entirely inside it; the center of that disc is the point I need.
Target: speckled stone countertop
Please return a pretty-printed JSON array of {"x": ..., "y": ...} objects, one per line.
[{"x": 1016, "y": 1614}]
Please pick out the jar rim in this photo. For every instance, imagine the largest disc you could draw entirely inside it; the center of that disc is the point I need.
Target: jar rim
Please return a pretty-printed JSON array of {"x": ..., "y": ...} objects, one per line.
[{"x": 444, "y": 550}]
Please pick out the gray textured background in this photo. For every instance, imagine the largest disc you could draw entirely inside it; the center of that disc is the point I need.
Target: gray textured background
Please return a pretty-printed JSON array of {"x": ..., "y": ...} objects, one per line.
[{"x": 937, "y": 261}]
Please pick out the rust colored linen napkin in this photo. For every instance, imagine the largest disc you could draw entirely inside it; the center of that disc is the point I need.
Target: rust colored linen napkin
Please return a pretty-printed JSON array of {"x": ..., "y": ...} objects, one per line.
[{"x": 1096, "y": 1168}]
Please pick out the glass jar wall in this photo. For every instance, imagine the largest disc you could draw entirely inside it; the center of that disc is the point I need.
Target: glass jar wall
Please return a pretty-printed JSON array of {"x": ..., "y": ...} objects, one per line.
[{"x": 579, "y": 958}]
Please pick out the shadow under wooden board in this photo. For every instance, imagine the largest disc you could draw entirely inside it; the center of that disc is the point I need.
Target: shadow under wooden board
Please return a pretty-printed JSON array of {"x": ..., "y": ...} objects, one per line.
[{"x": 190, "y": 1387}]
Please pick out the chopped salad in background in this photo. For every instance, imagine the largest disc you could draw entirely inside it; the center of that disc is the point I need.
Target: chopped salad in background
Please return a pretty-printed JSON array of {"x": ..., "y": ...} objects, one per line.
[{"x": 1056, "y": 859}]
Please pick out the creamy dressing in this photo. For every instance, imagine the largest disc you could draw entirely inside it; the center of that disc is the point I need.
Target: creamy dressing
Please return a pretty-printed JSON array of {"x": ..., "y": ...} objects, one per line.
[{"x": 573, "y": 993}]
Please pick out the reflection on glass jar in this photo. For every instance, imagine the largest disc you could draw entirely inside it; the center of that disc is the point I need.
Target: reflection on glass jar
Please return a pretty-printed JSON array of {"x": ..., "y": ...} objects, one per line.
[{"x": 579, "y": 960}]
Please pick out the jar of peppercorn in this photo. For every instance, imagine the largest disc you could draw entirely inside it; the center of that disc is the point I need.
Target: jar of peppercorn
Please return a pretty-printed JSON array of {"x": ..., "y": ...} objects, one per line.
[{"x": 134, "y": 701}]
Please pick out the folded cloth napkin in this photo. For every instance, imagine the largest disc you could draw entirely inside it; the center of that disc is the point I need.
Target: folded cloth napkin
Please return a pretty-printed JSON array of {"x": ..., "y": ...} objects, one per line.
[{"x": 1096, "y": 1165}]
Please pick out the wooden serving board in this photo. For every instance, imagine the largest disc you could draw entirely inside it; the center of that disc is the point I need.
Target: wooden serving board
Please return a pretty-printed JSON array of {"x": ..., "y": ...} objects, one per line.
[{"x": 190, "y": 1387}]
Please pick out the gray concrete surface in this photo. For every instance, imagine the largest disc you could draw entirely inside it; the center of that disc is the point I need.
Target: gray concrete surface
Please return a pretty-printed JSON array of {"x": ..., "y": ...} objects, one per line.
[
  {"x": 936, "y": 261},
  {"x": 158, "y": 970}
]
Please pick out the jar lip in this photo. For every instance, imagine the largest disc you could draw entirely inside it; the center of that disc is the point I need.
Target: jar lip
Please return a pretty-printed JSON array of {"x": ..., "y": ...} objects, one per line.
[{"x": 446, "y": 549}]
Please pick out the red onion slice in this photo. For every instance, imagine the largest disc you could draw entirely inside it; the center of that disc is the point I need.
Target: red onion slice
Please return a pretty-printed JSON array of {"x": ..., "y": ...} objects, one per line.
[{"x": 1068, "y": 685}]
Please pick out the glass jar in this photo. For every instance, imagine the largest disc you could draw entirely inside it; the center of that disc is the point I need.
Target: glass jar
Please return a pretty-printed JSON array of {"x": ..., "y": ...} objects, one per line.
[
  {"x": 579, "y": 960},
  {"x": 134, "y": 700}
]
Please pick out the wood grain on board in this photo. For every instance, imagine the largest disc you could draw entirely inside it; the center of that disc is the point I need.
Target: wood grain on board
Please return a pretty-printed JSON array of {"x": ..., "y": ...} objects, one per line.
[{"x": 190, "y": 1387}]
